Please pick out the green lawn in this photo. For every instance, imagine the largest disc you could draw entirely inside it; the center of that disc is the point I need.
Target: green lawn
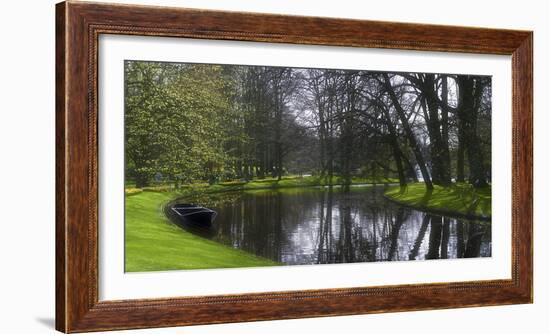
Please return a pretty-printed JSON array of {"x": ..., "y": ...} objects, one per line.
[
  {"x": 458, "y": 199},
  {"x": 153, "y": 243},
  {"x": 267, "y": 183}
]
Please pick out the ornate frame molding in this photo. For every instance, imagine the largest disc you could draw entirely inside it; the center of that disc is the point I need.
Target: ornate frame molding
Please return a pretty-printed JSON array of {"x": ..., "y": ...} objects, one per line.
[{"x": 78, "y": 26}]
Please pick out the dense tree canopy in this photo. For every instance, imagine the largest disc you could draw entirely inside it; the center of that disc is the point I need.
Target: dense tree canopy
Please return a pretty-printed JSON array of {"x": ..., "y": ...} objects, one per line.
[{"x": 198, "y": 122}]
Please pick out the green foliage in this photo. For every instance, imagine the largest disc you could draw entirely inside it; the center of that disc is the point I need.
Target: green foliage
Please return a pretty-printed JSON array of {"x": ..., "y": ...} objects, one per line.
[
  {"x": 174, "y": 120},
  {"x": 188, "y": 123},
  {"x": 459, "y": 198}
]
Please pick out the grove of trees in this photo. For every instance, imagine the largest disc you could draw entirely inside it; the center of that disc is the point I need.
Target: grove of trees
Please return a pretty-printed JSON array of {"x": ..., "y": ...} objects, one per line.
[{"x": 208, "y": 123}]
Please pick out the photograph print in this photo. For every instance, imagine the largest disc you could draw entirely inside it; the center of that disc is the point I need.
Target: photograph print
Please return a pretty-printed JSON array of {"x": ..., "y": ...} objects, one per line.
[{"x": 230, "y": 166}]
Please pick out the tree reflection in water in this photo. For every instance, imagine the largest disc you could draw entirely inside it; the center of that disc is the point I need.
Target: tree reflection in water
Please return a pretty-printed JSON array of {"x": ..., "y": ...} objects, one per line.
[{"x": 321, "y": 225}]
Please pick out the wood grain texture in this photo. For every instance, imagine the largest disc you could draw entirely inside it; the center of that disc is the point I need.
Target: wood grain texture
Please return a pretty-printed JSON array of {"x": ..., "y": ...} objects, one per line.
[
  {"x": 60, "y": 180},
  {"x": 78, "y": 27}
]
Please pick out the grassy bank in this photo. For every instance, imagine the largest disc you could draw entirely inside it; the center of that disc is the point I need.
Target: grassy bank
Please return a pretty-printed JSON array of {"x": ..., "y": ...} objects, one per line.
[
  {"x": 459, "y": 200},
  {"x": 267, "y": 183},
  {"x": 153, "y": 243}
]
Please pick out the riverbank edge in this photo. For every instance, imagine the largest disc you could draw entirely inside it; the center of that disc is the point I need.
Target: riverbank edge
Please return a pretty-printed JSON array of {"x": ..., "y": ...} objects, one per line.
[
  {"x": 172, "y": 195},
  {"x": 223, "y": 250},
  {"x": 252, "y": 185},
  {"x": 436, "y": 211}
]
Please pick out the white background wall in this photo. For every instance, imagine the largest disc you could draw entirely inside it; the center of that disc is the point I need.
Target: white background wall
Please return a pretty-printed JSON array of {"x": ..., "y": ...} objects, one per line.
[{"x": 27, "y": 69}]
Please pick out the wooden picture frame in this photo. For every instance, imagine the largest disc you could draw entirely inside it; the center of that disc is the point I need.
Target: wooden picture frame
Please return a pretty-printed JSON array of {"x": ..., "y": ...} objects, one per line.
[{"x": 78, "y": 26}]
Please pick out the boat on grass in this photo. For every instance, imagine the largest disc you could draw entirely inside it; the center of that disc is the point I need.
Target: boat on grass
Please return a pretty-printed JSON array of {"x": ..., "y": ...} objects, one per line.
[{"x": 194, "y": 215}]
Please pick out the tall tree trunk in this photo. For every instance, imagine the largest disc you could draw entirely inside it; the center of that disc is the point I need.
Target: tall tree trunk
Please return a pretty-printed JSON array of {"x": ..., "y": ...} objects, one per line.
[
  {"x": 330, "y": 143},
  {"x": 460, "y": 155},
  {"x": 432, "y": 125},
  {"x": 398, "y": 163},
  {"x": 470, "y": 91},
  {"x": 278, "y": 126},
  {"x": 392, "y": 139},
  {"x": 446, "y": 155},
  {"x": 322, "y": 141},
  {"x": 408, "y": 132},
  {"x": 409, "y": 166},
  {"x": 438, "y": 147}
]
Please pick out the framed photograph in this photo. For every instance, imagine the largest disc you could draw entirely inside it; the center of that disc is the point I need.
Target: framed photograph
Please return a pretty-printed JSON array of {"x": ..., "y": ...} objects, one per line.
[{"x": 222, "y": 167}]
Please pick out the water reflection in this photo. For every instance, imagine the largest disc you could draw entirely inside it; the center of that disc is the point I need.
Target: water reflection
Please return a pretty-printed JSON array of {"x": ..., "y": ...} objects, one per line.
[{"x": 327, "y": 225}]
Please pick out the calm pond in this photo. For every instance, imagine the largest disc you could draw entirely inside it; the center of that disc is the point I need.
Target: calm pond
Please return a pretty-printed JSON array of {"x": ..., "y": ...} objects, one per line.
[{"x": 327, "y": 225}]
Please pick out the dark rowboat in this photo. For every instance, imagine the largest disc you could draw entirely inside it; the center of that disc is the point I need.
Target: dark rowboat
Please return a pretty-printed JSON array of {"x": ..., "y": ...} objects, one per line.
[{"x": 194, "y": 215}]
